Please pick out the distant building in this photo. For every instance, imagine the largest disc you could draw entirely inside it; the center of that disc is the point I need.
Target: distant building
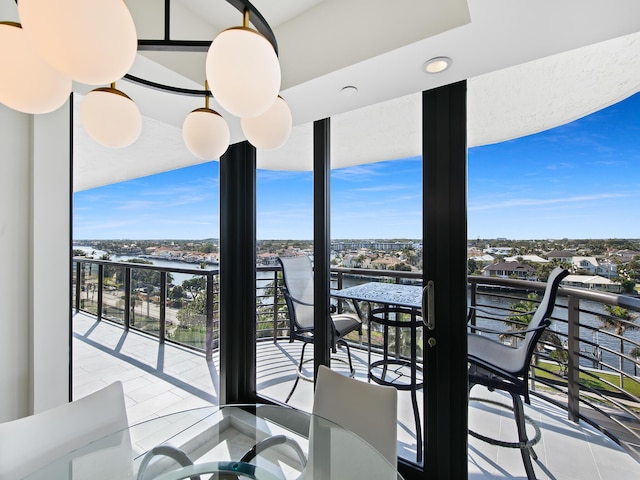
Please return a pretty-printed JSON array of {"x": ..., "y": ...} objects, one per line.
[
  {"x": 352, "y": 245},
  {"x": 563, "y": 256},
  {"x": 510, "y": 270},
  {"x": 528, "y": 258},
  {"x": 359, "y": 259},
  {"x": 624, "y": 255},
  {"x": 385, "y": 263},
  {"x": 592, "y": 282},
  {"x": 479, "y": 255},
  {"x": 267, "y": 259},
  {"x": 502, "y": 251},
  {"x": 607, "y": 269},
  {"x": 587, "y": 264}
]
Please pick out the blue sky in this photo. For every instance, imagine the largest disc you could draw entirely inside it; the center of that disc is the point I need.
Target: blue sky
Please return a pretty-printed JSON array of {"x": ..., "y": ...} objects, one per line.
[{"x": 580, "y": 180}]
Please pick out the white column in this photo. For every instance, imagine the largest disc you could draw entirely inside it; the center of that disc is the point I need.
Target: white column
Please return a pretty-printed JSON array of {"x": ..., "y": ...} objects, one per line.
[
  {"x": 51, "y": 253},
  {"x": 35, "y": 245},
  {"x": 15, "y": 235}
]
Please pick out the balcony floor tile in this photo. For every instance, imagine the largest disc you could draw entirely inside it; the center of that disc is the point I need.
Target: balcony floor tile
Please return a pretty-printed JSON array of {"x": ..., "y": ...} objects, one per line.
[{"x": 158, "y": 381}]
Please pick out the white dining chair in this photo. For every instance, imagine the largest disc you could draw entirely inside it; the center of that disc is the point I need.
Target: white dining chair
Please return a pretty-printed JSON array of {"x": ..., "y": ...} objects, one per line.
[
  {"x": 366, "y": 409},
  {"x": 29, "y": 443}
]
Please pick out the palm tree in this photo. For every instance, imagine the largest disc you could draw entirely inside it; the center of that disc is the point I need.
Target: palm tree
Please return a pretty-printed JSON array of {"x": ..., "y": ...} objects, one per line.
[
  {"x": 520, "y": 319},
  {"x": 619, "y": 320},
  {"x": 635, "y": 353}
]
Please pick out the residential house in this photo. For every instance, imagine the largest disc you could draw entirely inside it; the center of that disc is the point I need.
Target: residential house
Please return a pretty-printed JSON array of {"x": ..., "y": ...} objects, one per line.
[
  {"x": 510, "y": 270},
  {"x": 586, "y": 264},
  {"x": 623, "y": 255},
  {"x": 592, "y": 282},
  {"x": 388, "y": 262},
  {"x": 527, "y": 258},
  {"x": 563, "y": 256}
]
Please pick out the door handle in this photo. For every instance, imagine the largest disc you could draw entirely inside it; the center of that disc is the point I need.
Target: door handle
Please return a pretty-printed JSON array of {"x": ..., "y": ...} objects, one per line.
[{"x": 428, "y": 310}]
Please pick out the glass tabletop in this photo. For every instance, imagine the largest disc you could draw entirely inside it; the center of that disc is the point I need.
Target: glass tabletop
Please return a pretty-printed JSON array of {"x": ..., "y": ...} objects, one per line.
[
  {"x": 383, "y": 293},
  {"x": 234, "y": 442}
]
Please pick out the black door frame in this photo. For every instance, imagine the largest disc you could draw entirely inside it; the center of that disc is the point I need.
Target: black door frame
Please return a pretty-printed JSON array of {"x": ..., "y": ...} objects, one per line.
[
  {"x": 238, "y": 274},
  {"x": 444, "y": 247},
  {"x": 444, "y": 158}
]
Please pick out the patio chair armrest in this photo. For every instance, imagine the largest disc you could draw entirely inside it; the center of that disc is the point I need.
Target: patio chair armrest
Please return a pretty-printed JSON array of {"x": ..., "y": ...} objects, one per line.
[
  {"x": 544, "y": 324},
  {"x": 300, "y": 302},
  {"x": 499, "y": 314},
  {"x": 286, "y": 293},
  {"x": 511, "y": 379}
]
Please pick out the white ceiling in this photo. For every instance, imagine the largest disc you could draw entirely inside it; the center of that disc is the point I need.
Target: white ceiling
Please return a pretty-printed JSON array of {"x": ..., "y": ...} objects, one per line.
[{"x": 531, "y": 66}]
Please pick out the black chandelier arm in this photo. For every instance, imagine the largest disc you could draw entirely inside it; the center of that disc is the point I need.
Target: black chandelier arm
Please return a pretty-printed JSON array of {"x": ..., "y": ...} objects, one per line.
[
  {"x": 202, "y": 46},
  {"x": 167, "y": 44},
  {"x": 257, "y": 19},
  {"x": 173, "y": 45},
  {"x": 167, "y": 88}
]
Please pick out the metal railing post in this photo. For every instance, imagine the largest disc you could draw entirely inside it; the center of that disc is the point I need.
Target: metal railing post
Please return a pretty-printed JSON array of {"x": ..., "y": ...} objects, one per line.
[
  {"x": 100, "y": 287},
  {"x": 78, "y": 284},
  {"x": 127, "y": 297},
  {"x": 573, "y": 347},
  {"x": 163, "y": 306},
  {"x": 209, "y": 322},
  {"x": 474, "y": 303},
  {"x": 275, "y": 306},
  {"x": 339, "y": 287}
]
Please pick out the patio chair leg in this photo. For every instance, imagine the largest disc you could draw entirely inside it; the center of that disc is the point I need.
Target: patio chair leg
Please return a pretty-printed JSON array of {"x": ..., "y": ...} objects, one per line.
[
  {"x": 295, "y": 384},
  {"x": 343, "y": 342},
  {"x": 416, "y": 416},
  {"x": 526, "y": 452}
]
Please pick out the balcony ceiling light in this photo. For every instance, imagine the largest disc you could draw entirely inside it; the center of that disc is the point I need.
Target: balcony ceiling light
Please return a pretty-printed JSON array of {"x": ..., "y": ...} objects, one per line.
[
  {"x": 349, "y": 91},
  {"x": 437, "y": 64}
]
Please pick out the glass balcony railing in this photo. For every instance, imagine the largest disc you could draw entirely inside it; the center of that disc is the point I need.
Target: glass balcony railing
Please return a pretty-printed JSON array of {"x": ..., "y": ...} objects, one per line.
[{"x": 587, "y": 364}]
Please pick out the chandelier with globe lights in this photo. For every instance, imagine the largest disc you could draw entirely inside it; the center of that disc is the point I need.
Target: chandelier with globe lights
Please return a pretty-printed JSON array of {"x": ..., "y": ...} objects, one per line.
[{"x": 95, "y": 43}]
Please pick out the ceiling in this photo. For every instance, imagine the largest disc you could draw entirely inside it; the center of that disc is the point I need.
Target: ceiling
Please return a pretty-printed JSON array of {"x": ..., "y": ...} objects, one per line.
[{"x": 530, "y": 66}]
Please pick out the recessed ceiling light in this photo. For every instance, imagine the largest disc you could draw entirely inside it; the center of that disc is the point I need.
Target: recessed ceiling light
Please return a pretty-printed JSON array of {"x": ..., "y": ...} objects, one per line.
[
  {"x": 349, "y": 90},
  {"x": 437, "y": 64}
]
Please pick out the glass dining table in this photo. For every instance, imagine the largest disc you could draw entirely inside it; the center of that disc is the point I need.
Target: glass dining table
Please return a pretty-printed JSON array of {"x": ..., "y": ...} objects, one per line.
[{"x": 223, "y": 443}]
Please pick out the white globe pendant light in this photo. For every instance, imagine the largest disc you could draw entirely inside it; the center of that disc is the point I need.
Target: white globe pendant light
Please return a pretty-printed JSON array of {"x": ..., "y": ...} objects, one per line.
[
  {"x": 206, "y": 134},
  {"x": 90, "y": 41},
  {"x": 243, "y": 70},
  {"x": 110, "y": 117},
  {"x": 27, "y": 83},
  {"x": 270, "y": 130}
]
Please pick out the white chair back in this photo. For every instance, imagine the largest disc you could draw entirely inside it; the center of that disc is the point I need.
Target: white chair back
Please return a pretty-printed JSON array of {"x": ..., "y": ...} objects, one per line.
[
  {"x": 368, "y": 410},
  {"x": 30, "y": 443}
]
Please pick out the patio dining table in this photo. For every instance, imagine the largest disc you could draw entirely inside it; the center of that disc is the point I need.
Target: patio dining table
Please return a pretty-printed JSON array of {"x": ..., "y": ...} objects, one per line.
[{"x": 393, "y": 306}]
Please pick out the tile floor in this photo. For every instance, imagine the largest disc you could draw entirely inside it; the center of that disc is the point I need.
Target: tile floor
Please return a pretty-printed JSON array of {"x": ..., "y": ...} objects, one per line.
[{"x": 164, "y": 379}]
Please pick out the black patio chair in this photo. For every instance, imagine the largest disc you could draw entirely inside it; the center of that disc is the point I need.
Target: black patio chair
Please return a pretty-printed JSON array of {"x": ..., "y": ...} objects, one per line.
[
  {"x": 297, "y": 274},
  {"x": 502, "y": 367}
]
